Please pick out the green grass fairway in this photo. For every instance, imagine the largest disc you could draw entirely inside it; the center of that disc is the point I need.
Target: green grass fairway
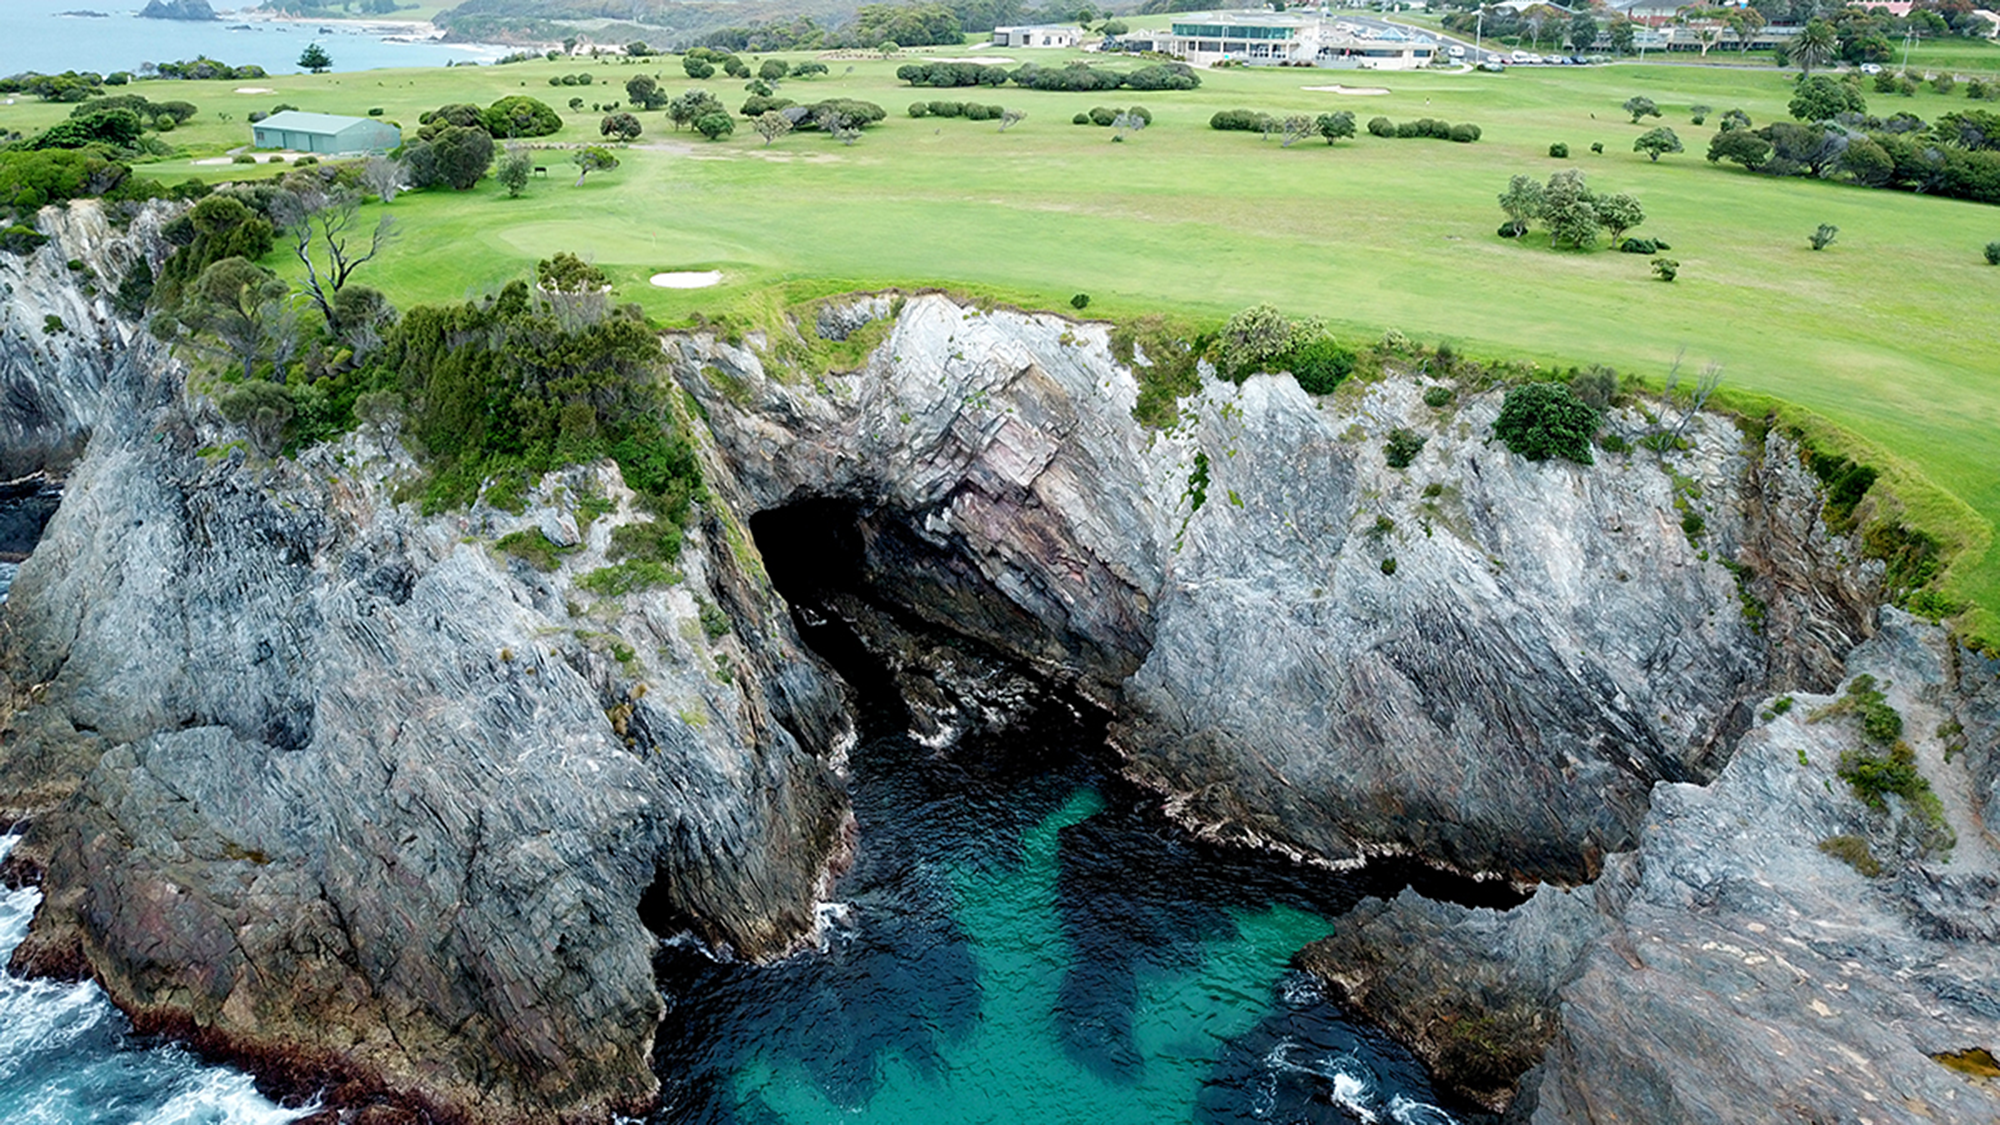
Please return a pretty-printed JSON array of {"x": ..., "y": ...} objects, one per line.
[{"x": 1889, "y": 334}]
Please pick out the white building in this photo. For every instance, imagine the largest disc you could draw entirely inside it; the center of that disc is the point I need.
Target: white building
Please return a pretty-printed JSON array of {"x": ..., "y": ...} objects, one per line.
[
  {"x": 1038, "y": 35},
  {"x": 1285, "y": 39}
]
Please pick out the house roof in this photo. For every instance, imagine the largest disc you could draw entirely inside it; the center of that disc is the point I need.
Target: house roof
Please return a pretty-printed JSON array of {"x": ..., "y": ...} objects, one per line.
[{"x": 298, "y": 121}]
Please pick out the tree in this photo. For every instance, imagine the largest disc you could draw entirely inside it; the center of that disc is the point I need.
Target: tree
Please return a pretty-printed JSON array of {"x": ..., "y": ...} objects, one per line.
[
  {"x": 697, "y": 68},
  {"x": 1582, "y": 30},
  {"x": 1746, "y": 23},
  {"x": 772, "y": 124},
  {"x": 1544, "y": 420},
  {"x": 456, "y": 157},
  {"x": 1334, "y": 126},
  {"x": 1619, "y": 213},
  {"x": 515, "y": 168},
  {"x": 1699, "y": 113},
  {"x": 1295, "y": 127},
  {"x": 1657, "y": 140},
  {"x": 642, "y": 92},
  {"x": 1822, "y": 97},
  {"x": 596, "y": 158},
  {"x": 1735, "y": 119},
  {"x": 836, "y": 124},
  {"x": 1622, "y": 33},
  {"x": 237, "y": 302},
  {"x": 319, "y": 222},
  {"x": 1639, "y": 106},
  {"x": 691, "y": 106},
  {"x": 1739, "y": 146},
  {"x": 576, "y": 292},
  {"x": 1523, "y": 203},
  {"x": 1823, "y": 237},
  {"x": 622, "y": 126},
  {"x": 1814, "y": 45},
  {"x": 1250, "y": 338},
  {"x": 1570, "y": 211},
  {"x": 263, "y": 409},
  {"x": 1129, "y": 121},
  {"x": 1011, "y": 117},
  {"x": 715, "y": 125},
  {"x": 773, "y": 71},
  {"x": 520, "y": 116},
  {"x": 315, "y": 59},
  {"x": 382, "y": 176}
]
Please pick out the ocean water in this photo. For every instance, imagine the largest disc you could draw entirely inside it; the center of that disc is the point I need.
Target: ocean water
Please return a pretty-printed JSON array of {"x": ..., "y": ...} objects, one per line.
[
  {"x": 67, "y": 1057},
  {"x": 35, "y": 35},
  {"x": 1019, "y": 942},
  {"x": 7, "y": 572}
]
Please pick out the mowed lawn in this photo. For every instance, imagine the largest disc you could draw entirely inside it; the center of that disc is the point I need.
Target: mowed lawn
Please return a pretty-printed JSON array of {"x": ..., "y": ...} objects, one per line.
[{"x": 1893, "y": 333}]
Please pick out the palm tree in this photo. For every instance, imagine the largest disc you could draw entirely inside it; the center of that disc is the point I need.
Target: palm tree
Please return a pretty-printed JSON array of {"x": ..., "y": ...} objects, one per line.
[{"x": 1814, "y": 46}]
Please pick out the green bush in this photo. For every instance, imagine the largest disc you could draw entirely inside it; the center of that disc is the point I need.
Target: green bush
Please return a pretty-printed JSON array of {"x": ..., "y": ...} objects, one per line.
[
  {"x": 1319, "y": 364},
  {"x": 1402, "y": 447},
  {"x": 1381, "y": 127},
  {"x": 1389, "y": 565},
  {"x": 1101, "y": 115},
  {"x": 1559, "y": 150},
  {"x": 1993, "y": 253},
  {"x": 1080, "y": 119},
  {"x": 1543, "y": 420},
  {"x": 1080, "y": 301},
  {"x": 533, "y": 548},
  {"x": 918, "y": 109},
  {"x": 1854, "y": 852},
  {"x": 1438, "y": 398},
  {"x": 1666, "y": 269}
]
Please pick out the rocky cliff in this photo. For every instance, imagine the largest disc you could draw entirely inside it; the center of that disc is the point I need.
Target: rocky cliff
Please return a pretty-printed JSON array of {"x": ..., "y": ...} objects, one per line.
[
  {"x": 1774, "y": 949},
  {"x": 322, "y": 780},
  {"x": 1477, "y": 659},
  {"x": 332, "y": 786}
]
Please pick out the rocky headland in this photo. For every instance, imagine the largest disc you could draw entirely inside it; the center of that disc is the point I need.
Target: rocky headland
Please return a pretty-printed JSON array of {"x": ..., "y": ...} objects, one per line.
[{"x": 322, "y": 781}]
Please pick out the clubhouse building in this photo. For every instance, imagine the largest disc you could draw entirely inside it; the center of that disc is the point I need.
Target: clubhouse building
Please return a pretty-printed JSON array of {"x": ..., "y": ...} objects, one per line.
[{"x": 1285, "y": 39}]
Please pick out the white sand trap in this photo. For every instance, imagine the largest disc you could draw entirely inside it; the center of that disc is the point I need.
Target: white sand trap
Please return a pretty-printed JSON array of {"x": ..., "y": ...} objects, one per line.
[
  {"x": 255, "y": 90},
  {"x": 687, "y": 279},
  {"x": 1356, "y": 91}
]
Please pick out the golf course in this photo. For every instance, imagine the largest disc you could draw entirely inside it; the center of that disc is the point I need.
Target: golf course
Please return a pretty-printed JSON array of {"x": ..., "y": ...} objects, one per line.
[{"x": 1884, "y": 345}]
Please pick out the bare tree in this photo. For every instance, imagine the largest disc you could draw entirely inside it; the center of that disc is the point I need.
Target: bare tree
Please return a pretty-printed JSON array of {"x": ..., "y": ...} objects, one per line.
[
  {"x": 1296, "y": 128},
  {"x": 1010, "y": 118},
  {"x": 383, "y": 176},
  {"x": 1690, "y": 402},
  {"x": 320, "y": 224},
  {"x": 1126, "y": 123}
]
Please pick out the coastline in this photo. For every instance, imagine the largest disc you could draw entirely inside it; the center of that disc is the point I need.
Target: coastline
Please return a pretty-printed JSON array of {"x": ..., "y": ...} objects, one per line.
[{"x": 419, "y": 29}]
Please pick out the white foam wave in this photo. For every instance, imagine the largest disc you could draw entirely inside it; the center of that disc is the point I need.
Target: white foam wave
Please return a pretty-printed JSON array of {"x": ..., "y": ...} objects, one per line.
[{"x": 223, "y": 1097}]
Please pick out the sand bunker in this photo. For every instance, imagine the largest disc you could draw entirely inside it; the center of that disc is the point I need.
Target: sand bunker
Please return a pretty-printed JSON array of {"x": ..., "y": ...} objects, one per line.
[
  {"x": 687, "y": 279},
  {"x": 255, "y": 90},
  {"x": 1358, "y": 91}
]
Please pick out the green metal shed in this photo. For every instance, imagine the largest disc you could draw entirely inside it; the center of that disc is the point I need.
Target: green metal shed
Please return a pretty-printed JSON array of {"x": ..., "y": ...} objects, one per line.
[{"x": 325, "y": 132}]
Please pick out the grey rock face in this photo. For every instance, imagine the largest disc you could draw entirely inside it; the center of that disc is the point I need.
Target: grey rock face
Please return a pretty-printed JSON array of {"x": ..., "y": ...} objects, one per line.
[
  {"x": 66, "y": 359},
  {"x": 341, "y": 786},
  {"x": 1729, "y": 969},
  {"x": 1550, "y": 643}
]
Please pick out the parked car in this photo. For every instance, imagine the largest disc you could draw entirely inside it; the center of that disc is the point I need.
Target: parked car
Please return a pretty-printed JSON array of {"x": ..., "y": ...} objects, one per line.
[
  {"x": 1455, "y": 51},
  {"x": 1871, "y": 68}
]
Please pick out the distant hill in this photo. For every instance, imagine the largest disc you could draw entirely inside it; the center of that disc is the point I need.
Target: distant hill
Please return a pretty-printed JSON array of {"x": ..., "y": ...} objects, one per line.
[{"x": 178, "y": 10}]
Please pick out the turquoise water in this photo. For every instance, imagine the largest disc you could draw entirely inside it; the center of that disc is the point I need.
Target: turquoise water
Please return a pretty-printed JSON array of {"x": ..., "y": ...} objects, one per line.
[
  {"x": 1019, "y": 943},
  {"x": 35, "y": 35}
]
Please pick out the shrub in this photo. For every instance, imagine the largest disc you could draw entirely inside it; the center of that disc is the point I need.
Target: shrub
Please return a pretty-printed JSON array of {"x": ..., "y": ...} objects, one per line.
[
  {"x": 1381, "y": 127},
  {"x": 1559, "y": 150},
  {"x": 520, "y": 116},
  {"x": 1389, "y": 565},
  {"x": 1080, "y": 301},
  {"x": 1402, "y": 447},
  {"x": 1854, "y": 852},
  {"x": 1823, "y": 237},
  {"x": 1318, "y": 363},
  {"x": 1437, "y": 398},
  {"x": 1993, "y": 253},
  {"x": 1099, "y": 115},
  {"x": 1639, "y": 246},
  {"x": 1465, "y": 133},
  {"x": 1597, "y": 147},
  {"x": 1543, "y": 420},
  {"x": 1943, "y": 83},
  {"x": 1080, "y": 119},
  {"x": 918, "y": 109},
  {"x": 375, "y": 111},
  {"x": 243, "y": 158},
  {"x": 1666, "y": 269},
  {"x": 531, "y": 547}
]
